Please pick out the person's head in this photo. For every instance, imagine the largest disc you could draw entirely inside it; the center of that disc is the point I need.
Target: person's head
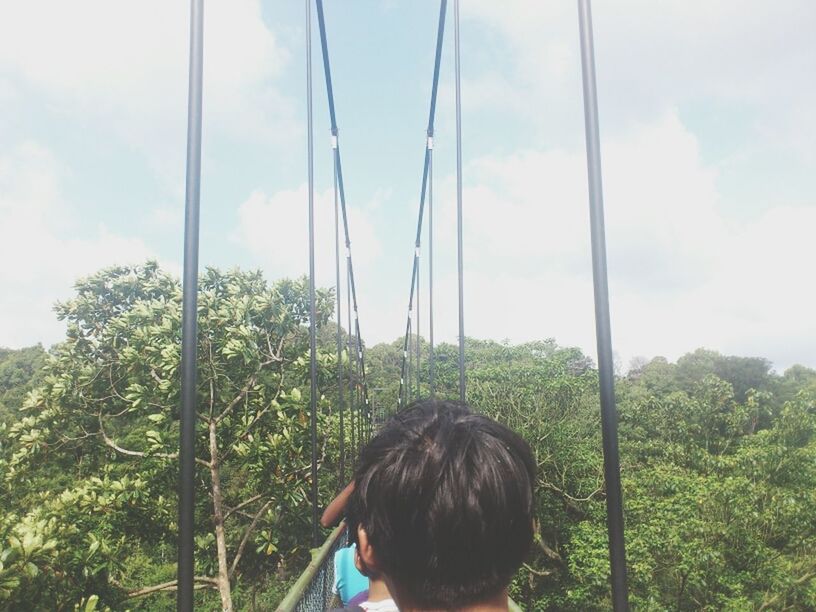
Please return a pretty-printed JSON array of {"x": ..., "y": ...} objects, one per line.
[{"x": 444, "y": 502}]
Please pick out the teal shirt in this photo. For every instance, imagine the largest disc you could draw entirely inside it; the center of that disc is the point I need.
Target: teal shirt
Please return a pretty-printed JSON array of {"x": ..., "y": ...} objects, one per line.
[{"x": 348, "y": 581}]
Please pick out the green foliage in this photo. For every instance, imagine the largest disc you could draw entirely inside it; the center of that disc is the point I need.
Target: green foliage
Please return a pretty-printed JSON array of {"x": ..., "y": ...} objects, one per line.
[
  {"x": 19, "y": 373},
  {"x": 91, "y": 463},
  {"x": 742, "y": 373},
  {"x": 718, "y": 466},
  {"x": 718, "y": 457}
]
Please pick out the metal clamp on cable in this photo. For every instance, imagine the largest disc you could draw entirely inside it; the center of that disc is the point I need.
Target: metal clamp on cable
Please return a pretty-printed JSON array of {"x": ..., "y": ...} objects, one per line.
[{"x": 429, "y": 143}]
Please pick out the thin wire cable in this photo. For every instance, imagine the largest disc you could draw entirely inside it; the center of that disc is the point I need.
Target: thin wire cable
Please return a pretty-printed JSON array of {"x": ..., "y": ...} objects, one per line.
[
  {"x": 459, "y": 240},
  {"x": 440, "y": 33},
  {"x": 416, "y": 339},
  {"x": 351, "y": 363},
  {"x": 189, "y": 323},
  {"x": 342, "y": 434},
  {"x": 609, "y": 416},
  {"x": 341, "y": 187},
  {"x": 431, "y": 364},
  {"x": 409, "y": 386},
  {"x": 360, "y": 405},
  {"x": 312, "y": 298}
]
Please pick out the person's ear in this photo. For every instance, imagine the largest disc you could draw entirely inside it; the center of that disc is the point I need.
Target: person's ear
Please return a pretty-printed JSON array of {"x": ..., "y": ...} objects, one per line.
[{"x": 365, "y": 559}]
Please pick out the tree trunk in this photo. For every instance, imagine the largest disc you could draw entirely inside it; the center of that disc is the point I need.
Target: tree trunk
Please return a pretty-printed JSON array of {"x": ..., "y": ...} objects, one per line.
[{"x": 218, "y": 519}]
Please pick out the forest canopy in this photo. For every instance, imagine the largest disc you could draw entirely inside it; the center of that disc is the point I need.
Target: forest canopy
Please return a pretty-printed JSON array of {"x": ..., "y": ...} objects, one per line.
[{"x": 718, "y": 456}]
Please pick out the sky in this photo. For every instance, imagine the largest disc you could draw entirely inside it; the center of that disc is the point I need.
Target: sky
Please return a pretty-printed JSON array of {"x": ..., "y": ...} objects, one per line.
[{"x": 707, "y": 128}]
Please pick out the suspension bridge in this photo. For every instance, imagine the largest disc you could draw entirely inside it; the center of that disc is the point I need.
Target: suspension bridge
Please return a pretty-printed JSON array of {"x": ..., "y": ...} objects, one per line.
[{"x": 312, "y": 591}]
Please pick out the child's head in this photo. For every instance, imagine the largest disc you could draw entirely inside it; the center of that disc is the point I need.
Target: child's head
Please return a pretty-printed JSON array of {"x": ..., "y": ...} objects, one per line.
[{"x": 444, "y": 500}]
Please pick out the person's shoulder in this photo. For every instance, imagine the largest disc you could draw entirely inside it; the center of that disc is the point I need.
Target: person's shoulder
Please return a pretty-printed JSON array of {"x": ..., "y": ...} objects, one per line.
[
  {"x": 352, "y": 608},
  {"x": 384, "y": 605}
]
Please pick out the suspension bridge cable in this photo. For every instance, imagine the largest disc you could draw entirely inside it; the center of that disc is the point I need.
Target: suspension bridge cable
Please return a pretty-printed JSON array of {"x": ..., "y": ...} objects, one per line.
[
  {"x": 342, "y": 433},
  {"x": 360, "y": 403},
  {"x": 357, "y": 388},
  {"x": 431, "y": 364},
  {"x": 459, "y": 240},
  {"x": 408, "y": 385},
  {"x": 440, "y": 33},
  {"x": 418, "y": 328},
  {"x": 312, "y": 298},
  {"x": 609, "y": 417},
  {"x": 341, "y": 188},
  {"x": 189, "y": 334},
  {"x": 350, "y": 361},
  {"x": 356, "y": 382}
]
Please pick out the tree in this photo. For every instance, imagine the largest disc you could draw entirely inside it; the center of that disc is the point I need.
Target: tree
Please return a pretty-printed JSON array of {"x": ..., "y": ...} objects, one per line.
[
  {"x": 691, "y": 368},
  {"x": 19, "y": 370},
  {"x": 796, "y": 379},
  {"x": 718, "y": 487},
  {"x": 107, "y": 414},
  {"x": 743, "y": 373},
  {"x": 718, "y": 457},
  {"x": 549, "y": 395}
]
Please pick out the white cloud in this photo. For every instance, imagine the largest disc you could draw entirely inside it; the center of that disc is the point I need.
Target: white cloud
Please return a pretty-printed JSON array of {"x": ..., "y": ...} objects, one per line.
[
  {"x": 681, "y": 275},
  {"x": 684, "y": 270},
  {"x": 40, "y": 263},
  {"x": 650, "y": 55},
  {"x": 124, "y": 66},
  {"x": 168, "y": 218},
  {"x": 8, "y": 93},
  {"x": 693, "y": 260},
  {"x": 273, "y": 228}
]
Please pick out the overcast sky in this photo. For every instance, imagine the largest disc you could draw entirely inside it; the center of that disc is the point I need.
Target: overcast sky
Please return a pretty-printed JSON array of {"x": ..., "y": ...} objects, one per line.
[{"x": 707, "y": 122}]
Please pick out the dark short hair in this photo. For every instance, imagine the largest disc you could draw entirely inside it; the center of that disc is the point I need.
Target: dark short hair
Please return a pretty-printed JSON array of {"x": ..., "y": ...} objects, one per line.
[{"x": 446, "y": 498}]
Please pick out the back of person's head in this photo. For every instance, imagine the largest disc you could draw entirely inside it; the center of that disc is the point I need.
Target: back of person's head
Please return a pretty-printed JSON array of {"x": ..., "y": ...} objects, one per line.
[{"x": 445, "y": 498}]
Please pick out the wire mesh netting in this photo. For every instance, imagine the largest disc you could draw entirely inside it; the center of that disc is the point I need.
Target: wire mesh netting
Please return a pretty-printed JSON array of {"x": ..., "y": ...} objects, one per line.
[
  {"x": 313, "y": 590},
  {"x": 318, "y": 596}
]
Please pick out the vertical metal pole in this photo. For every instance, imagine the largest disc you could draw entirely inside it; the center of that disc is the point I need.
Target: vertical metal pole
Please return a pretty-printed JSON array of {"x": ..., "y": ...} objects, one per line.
[
  {"x": 312, "y": 300},
  {"x": 430, "y": 270},
  {"x": 609, "y": 417},
  {"x": 189, "y": 333},
  {"x": 342, "y": 436},
  {"x": 459, "y": 240}
]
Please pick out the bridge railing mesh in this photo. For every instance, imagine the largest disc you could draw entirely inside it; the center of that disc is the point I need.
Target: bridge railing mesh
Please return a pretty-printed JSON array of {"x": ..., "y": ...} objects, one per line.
[{"x": 313, "y": 590}]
